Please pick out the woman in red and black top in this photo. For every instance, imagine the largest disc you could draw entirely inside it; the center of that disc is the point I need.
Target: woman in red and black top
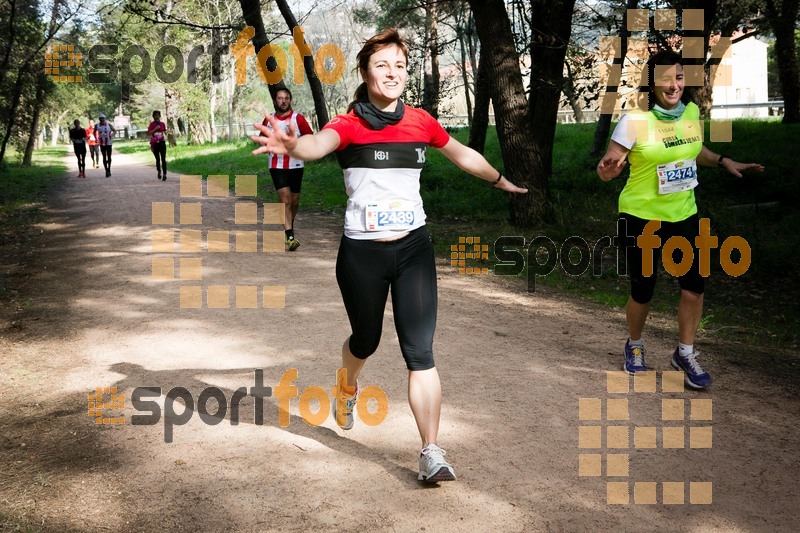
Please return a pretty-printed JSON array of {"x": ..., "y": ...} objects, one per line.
[{"x": 381, "y": 146}]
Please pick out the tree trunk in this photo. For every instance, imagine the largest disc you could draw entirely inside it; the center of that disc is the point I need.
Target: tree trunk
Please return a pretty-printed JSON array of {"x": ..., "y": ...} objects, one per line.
[
  {"x": 603, "y": 128},
  {"x": 169, "y": 114},
  {"x": 10, "y": 36},
  {"x": 251, "y": 11},
  {"x": 320, "y": 107},
  {"x": 169, "y": 93},
  {"x": 41, "y": 80},
  {"x": 783, "y": 20},
  {"x": 465, "y": 75},
  {"x": 432, "y": 84},
  {"x": 703, "y": 96},
  {"x": 212, "y": 113},
  {"x": 569, "y": 92},
  {"x": 521, "y": 154},
  {"x": 480, "y": 119},
  {"x": 35, "y": 56},
  {"x": 55, "y": 131},
  {"x": 230, "y": 89},
  {"x": 472, "y": 45},
  {"x": 16, "y": 96},
  {"x": 550, "y": 32},
  {"x": 789, "y": 73}
]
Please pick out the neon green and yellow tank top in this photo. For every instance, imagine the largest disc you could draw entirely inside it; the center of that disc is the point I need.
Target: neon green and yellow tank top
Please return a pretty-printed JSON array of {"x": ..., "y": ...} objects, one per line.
[{"x": 660, "y": 147}]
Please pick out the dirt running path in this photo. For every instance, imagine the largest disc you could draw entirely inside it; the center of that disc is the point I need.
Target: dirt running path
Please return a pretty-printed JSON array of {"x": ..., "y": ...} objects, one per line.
[{"x": 513, "y": 365}]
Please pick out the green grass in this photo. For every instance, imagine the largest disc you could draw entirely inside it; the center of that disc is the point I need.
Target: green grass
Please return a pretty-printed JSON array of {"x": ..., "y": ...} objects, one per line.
[{"x": 23, "y": 189}]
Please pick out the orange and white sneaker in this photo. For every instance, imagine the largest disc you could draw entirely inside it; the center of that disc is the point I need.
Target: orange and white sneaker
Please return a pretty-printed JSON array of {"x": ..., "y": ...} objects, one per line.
[{"x": 344, "y": 401}]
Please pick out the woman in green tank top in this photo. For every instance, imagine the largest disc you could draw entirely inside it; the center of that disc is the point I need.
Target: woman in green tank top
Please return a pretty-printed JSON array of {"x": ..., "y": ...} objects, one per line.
[{"x": 664, "y": 146}]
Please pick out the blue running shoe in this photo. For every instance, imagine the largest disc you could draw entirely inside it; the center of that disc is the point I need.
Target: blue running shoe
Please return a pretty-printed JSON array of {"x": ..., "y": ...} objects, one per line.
[
  {"x": 696, "y": 377},
  {"x": 634, "y": 358}
]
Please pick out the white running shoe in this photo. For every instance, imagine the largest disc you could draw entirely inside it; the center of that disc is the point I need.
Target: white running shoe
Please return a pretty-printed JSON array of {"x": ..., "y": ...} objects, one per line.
[{"x": 433, "y": 467}]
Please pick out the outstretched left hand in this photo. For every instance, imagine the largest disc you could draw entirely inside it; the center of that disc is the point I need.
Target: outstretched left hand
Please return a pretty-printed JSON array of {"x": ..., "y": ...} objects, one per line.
[
  {"x": 507, "y": 186},
  {"x": 737, "y": 168},
  {"x": 273, "y": 139}
]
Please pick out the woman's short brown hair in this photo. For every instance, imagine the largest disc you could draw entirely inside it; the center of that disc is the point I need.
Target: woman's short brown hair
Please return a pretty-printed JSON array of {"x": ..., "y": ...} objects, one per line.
[{"x": 387, "y": 37}]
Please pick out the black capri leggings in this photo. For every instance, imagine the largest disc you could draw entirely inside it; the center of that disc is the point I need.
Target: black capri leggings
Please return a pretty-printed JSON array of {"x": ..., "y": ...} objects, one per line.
[
  {"x": 629, "y": 227},
  {"x": 106, "y": 151},
  {"x": 366, "y": 270},
  {"x": 80, "y": 153},
  {"x": 160, "y": 151}
]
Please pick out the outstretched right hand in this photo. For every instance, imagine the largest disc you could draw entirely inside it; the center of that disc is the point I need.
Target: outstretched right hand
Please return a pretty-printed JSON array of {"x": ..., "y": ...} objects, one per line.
[
  {"x": 610, "y": 167},
  {"x": 273, "y": 139}
]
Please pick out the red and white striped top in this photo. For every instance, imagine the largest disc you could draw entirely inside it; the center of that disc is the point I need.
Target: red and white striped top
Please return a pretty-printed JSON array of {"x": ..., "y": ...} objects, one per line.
[{"x": 301, "y": 126}]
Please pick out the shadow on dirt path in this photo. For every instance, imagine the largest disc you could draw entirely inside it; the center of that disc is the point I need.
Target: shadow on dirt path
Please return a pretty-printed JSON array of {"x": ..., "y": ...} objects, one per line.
[{"x": 514, "y": 369}]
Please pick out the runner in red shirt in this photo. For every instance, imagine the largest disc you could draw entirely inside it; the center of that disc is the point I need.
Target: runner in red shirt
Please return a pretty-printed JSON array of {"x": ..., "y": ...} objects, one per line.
[
  {"x": 158, "y": 144},
  {"x": 287, "y": 172},
  {"x": 94, "y": 145}
]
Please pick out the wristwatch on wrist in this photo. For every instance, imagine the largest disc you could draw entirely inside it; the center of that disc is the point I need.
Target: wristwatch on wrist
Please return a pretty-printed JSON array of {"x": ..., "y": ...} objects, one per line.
[{"x": 719, "y": 161}]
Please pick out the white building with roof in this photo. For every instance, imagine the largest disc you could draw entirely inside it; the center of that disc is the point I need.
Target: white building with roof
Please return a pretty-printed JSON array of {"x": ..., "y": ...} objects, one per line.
[{"x": 745, "y": 82}]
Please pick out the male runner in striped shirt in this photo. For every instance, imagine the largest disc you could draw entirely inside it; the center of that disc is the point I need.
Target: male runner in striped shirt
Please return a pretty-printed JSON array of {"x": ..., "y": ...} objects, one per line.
[{"x": 287, "y": 172}]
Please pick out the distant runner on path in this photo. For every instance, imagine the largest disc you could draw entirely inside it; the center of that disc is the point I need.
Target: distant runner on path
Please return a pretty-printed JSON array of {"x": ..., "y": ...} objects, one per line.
[
  {"x": 105, "y": 133},
  {"x": 286, "y": 171},
  {"x": 94, "y": 145},
  {"x": 78, "y": 137},
  {"x": 158, "y": 145}
]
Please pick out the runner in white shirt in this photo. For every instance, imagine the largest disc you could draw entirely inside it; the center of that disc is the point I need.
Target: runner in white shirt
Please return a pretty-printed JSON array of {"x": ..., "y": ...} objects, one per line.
[{"x": 105, "y": 134}]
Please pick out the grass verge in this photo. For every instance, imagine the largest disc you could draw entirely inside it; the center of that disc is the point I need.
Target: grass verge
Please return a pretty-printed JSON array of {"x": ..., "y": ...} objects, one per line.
[{"x": 23, "y": 189}]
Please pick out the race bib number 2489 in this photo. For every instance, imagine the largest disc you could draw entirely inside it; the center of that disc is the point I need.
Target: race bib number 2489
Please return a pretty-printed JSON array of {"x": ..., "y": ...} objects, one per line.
[{"x": 390, "y": 215}]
